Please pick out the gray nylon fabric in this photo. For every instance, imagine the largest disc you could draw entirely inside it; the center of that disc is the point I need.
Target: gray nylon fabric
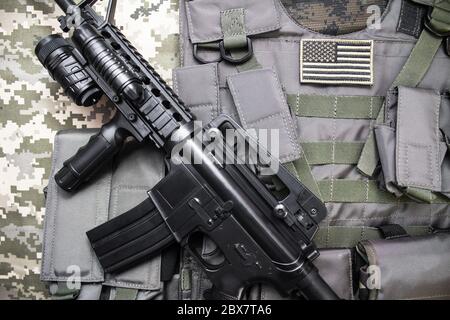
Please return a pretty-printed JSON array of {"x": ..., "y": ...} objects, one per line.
[
  {"x": 404, "y": 274},
  {"x": 115, "y": 190}
]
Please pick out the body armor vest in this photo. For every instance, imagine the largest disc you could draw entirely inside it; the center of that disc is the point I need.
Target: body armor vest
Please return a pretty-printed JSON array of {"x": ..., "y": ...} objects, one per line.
[{"x": 324, "y": 94}]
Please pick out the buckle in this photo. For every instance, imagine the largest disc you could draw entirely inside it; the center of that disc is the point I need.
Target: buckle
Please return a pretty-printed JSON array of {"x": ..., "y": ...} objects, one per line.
[
  {"x": 229, "y": 58},
  {"x": 429, "y": 25},
  {"x": 224, "y": 55},
  {"x": 443, "y": 34}
]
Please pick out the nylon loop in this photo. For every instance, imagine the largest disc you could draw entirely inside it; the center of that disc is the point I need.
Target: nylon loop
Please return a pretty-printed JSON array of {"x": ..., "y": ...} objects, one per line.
[
  {"x": 369, "y": 158},
  {"x": 233, "y": 28}
]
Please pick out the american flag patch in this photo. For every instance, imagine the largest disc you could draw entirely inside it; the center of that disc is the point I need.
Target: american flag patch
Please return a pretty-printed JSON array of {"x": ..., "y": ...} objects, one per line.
[{"x": 331, "y": 61}]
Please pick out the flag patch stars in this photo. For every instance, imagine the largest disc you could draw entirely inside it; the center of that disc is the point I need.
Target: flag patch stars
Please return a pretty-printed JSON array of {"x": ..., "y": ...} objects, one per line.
[{"x": 331, "y": 61}]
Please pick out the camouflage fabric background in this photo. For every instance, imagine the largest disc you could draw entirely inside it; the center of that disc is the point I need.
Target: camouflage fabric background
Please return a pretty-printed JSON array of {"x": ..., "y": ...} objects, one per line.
[
  {"x": 33, "y": 108},
  {"x": 332, "y": 16}
]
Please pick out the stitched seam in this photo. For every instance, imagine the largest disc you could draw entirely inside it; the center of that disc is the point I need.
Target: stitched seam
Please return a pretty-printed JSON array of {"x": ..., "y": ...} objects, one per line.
[
  {"x": 394, "y": 216},
  {"x": 196, "y": 106},
  {"x": 349, "y": 258},
  {"x": 270, "y": 116},
  {"x": 333, "y": 148},
  {"x": 428, "y": 297},
  {"x": 216, "y": 91},
  {"x": 55, "y": 207}
]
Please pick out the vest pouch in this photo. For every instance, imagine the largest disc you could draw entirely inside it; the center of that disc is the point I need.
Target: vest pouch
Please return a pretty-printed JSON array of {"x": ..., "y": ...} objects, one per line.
[
  {"x": 261, "y": 105},
  {"x": 204, "y": 17},
  {"x": 406, "y": 267},
  {"x": 412, "y": 143},
  {"x": 68, "y": 259}
]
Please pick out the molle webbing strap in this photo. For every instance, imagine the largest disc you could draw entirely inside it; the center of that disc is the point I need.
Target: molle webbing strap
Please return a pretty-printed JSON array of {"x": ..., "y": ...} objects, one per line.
[
  {"x": 336, "y": 236},
  {"x": 369, "y": 156},
  {"x": 419, "y": 61},
  {"x": 340, "y": 107},
  {"x": 364, "y": 191},
  {"x": 329, "y": 152},
  {"x": 302, "y": 171},
  {"x": 126, "y": 294},
  {"x": 131, "y": 237}
]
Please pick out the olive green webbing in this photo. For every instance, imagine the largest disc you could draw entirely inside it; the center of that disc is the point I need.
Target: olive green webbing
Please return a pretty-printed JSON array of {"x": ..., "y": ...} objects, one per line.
[
  {"x": 333, "y": 236},
  {"x": 301, "y": 169},
  {"x": 364, "y": 191},
  {"x": 235, "y": 37},
  {"x": 340, "y": 107},
  {"x": 329, "y": 152},
  {"x": 126, "y": 294},
  {"x": 419, "y": 61},
  {"x": 369, "y": 158}
]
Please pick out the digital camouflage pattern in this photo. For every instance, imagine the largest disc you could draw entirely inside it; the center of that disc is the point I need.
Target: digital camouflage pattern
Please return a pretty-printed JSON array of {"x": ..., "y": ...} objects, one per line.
[
  {"x": 333, "y": 17},
  {"x": 33, "y": 108}
]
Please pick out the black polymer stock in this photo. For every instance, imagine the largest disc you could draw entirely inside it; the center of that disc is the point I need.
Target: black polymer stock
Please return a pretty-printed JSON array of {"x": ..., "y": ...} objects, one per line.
[{"x": 262, "y": 237}]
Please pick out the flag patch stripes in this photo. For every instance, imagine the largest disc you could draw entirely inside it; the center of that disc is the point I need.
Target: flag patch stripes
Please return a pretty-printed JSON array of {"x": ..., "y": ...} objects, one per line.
[{"x": 332, "y": 61}]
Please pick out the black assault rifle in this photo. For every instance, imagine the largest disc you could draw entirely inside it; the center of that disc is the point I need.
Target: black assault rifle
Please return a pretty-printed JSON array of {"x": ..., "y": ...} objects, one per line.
[{"x": 262, "y": 236}]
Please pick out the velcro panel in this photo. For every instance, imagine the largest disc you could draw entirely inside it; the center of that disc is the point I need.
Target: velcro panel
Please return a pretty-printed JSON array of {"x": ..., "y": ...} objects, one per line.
[
  {"x": 67, "y": 253},
  {"x": 204, "y": 17},
  {"x": 409, "y": 267},
  {"x": 418, "y": 160},
  {"x": 198, "y": 88},
  {"x": 261, "y": 104}
]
